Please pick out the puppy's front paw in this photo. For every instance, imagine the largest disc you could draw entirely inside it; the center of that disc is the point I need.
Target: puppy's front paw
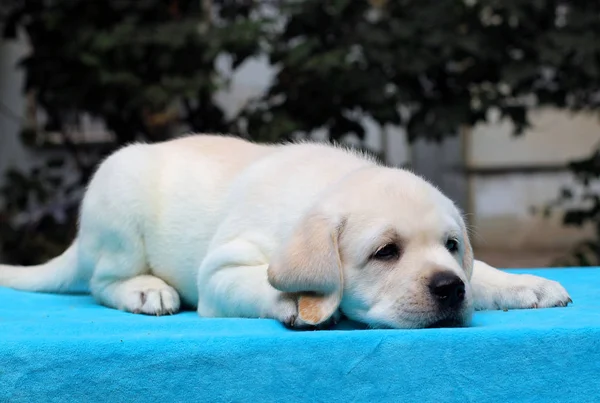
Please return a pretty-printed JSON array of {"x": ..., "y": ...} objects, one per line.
[
  {"x": 153, "y": 301},
  {"x": 286, "y": 312},
  {"x": 290, "y": 317},
  {"x": 525, "y": 291}
]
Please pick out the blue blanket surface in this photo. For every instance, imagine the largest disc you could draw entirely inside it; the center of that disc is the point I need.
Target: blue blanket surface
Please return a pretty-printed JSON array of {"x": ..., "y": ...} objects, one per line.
[{"x": 66, "y": 348}]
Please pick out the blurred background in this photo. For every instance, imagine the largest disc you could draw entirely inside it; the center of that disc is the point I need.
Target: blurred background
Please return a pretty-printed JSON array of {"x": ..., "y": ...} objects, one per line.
[{"x": 496, "y": 102}]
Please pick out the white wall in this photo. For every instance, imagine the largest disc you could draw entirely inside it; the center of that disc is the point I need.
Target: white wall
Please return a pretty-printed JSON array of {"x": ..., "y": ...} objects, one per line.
[
  {"x": 556, "y": 137},
  {"x": 501, "y": 205}
]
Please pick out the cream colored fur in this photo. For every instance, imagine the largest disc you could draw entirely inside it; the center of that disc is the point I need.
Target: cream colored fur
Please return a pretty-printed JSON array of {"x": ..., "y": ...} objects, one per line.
[{"x": 287, "y": 232}]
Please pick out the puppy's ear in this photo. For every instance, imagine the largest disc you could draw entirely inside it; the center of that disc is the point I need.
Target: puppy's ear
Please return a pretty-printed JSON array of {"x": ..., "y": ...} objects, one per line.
[
  {"x": 309, "y": 264},
  {"x": 468, "y": 252}
]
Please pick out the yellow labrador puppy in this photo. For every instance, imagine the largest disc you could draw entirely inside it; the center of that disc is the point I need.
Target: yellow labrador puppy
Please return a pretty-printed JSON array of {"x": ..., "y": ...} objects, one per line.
[{"x": 299, "y": 233}]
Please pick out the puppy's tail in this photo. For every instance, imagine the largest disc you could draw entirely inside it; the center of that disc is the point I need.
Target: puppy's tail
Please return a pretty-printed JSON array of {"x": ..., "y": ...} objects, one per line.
[{"x": 57, "y": 275}]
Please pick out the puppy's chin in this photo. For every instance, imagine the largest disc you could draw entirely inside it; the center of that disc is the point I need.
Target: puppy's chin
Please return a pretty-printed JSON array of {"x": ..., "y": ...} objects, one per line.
[
  {"x": 453, "y": 319},
  {"x": 378, "y": 318},
  {"x": 446, "y": 320},
  {"x": 461, "y": 318},
  {"x": 437, "y": 323}
]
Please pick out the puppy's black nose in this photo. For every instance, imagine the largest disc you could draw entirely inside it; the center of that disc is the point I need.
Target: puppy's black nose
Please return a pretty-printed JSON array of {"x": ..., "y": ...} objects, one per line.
[{"x": 447, "y": 288}]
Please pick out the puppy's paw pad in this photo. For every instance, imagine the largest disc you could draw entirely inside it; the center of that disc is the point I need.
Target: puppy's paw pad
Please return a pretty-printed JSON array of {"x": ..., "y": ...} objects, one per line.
[
  {"x": 296, "y": 322},
  {"x": 287, "y": 312},
  {"x": 289, "y": 321},
  {"x": 293, "y": 320},
  {"x": 154, "y": 301}
]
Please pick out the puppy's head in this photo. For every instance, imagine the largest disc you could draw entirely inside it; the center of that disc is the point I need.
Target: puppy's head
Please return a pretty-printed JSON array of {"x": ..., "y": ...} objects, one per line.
[{"x": 384, "y": 247}]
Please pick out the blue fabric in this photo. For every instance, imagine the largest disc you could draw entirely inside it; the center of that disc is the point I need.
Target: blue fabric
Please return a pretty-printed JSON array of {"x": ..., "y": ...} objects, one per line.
[{"x": 67, "y": 348}]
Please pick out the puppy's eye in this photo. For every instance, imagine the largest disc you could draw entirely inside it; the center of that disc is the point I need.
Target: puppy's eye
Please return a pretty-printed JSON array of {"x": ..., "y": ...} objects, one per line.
[
  {"x": 452, "y": 245},
  {"x": 388, "y": 252}
]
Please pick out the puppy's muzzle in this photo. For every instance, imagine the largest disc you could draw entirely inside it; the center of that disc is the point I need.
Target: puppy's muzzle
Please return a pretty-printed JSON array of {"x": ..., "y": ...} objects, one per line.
[{"x": 447, "y": 289}]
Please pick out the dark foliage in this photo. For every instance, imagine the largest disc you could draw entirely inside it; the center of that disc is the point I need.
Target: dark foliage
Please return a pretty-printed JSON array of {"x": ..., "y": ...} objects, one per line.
[{"x": 145, "y": 67}]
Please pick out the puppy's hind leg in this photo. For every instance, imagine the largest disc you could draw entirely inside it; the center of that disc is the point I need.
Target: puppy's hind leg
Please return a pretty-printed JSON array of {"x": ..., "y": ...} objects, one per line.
[
  {"x": 121, "y": 276},
  {"x": 113, "y": 217},
  {"x": 141, "y": 294},
  {"x": 122, "y": 280}
]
